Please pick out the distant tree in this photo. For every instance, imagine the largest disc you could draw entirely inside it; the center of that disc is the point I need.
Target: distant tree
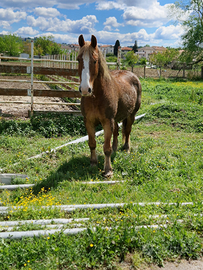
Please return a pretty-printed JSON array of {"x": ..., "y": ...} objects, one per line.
[
  {"x": 116, "y": 46},
  {"x": 193, "y": 25},
  {"x": 11, "y": 45},
  {"x": 135, "y": 48},
  {"x": 131, "y": 59},
  {"x": 111, "y": 58},
  {"x": 2, "y": 45},
  {"x": 143, "y": 62},
  {"x": 161, "y": 59},
  {"x": 46, "y": 45},
  {"x": 27, "y": 47}
]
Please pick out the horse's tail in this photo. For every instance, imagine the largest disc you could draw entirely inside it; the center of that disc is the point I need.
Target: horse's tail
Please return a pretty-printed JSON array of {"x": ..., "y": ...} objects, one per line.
[{"x": 138, "y": 87}]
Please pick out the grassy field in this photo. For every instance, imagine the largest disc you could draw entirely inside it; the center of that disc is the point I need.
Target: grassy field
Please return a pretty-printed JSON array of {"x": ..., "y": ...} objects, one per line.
[{"x": 165, "y": 165}]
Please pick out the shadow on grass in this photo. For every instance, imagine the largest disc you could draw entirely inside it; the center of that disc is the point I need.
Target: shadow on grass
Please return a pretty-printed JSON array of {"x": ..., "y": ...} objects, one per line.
[{"x": 76, "y": 169}]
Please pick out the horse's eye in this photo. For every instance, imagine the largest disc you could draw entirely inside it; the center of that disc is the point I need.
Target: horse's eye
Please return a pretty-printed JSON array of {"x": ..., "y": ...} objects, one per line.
[{"x": 95, "y": 61}]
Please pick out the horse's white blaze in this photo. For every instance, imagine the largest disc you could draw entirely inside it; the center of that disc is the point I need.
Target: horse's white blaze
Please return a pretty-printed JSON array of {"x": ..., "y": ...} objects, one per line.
[{"x": 85, "y": 80}]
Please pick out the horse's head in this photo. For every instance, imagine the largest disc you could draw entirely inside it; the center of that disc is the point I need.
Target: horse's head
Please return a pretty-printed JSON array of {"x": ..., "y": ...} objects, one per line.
[{"x": 88, "y": 64}]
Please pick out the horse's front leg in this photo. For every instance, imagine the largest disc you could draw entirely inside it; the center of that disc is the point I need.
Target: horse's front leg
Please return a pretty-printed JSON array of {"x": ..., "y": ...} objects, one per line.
[
  {"x": 108, "y": 130},
  {"x": 92, "y": 142}
]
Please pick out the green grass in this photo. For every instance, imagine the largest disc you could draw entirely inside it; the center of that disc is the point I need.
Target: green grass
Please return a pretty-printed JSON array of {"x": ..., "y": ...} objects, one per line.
[{"x": 165, "y": 165}]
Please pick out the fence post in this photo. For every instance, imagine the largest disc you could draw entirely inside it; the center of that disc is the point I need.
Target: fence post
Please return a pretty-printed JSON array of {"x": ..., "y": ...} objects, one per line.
[
  {"x": 32, "y": 89},
  {"x": 119, "y": 58}
]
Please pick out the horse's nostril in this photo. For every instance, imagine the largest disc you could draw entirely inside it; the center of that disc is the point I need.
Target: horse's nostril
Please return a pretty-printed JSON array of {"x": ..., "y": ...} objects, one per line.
[
  {"x": 89, "y": 90},
  {"x": 80, "y": 89}
]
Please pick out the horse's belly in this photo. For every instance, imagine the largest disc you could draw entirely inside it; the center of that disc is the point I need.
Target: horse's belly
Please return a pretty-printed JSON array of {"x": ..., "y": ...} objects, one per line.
[{"x": 126, "y": 106}]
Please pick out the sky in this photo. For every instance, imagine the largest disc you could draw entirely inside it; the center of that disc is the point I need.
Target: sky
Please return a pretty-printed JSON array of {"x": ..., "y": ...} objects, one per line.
[{"x": 146, "y": 21}]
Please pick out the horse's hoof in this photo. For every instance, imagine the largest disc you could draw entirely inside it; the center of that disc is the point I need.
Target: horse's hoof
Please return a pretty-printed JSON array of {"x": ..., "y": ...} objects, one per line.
[
  {"x": 93, "y": 163},
  {"x": 127, "y": 150},
  {"x": 108, "y": 174}
]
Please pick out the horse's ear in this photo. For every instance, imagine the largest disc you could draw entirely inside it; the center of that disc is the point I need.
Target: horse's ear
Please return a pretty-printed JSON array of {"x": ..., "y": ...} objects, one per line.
[
  {"x": 81, "y": 41},
  {"x": 93, "y": 41}
]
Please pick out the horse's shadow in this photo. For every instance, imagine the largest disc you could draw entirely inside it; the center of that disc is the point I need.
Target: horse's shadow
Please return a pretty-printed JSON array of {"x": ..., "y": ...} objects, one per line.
[{"x": 76, "y": 169}]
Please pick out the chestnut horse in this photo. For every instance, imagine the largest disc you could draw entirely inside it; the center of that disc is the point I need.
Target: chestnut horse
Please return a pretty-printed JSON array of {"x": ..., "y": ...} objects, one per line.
[{"x": 107, "y": 98}]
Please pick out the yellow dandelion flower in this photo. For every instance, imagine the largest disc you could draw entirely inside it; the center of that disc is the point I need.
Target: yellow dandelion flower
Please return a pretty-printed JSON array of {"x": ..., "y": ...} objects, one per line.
[{"x": 91, "y": 245}]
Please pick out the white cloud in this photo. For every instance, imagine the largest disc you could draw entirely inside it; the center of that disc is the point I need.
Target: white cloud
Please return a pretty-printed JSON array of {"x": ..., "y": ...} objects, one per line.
[
  {"x": 104, "y": 5},
  {"x": 112, "y": 21},
  {"x": 46, "y": 12},
  {"x": 40, "y": 22},
  {"x": 46, "y": 3},
  {"x": 4, "y": 33},
  {"x": 61, "y": 38},
  {"x": 28, "y": 3},
  {"x": 8, "y": 16},
  {"x": 85, "y": 25},
  {"x": 105, "y": 37},
  {"x": 26, "y": 31},
  {"x": 168, "y": 32},
  {"x": 5, "y": 24},
  {"x": 153, "y": 16},
  {"x": 107, "y": 28},
  {"x": 137, "y": 3}
]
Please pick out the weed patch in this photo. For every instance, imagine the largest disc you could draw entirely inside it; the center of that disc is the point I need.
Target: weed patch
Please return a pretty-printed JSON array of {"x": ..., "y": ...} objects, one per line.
[{"x": 164, "y": 166}]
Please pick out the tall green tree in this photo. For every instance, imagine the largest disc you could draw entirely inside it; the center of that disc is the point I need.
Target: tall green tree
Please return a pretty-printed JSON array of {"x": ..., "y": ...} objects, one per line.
[
  {"x": 193, "y": 25},
  {"x": 11, "y": 45},
  {"x": 131, "y": 59},
  {"x": 135, "y": 47},
  {"x": 116, "y": 46},
  {"x": 46, "y": 45},
  {"x": 2, "y": 45},
  {"x": 161, "y": 59}
]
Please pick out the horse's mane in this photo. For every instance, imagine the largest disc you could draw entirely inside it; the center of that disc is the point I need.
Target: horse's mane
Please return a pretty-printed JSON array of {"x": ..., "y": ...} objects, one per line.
[
  {"x": 97, "y": 55},
  {"x": 103, "y": 66}
]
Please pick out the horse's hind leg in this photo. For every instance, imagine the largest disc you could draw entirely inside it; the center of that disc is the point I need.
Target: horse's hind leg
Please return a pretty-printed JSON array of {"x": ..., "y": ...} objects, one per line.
[
  {"x": 126, "y": 129},
  {"x": 92, "y": 142},
  {"x": 115, "y": 137},
  {"x": 108, "y": 131}
]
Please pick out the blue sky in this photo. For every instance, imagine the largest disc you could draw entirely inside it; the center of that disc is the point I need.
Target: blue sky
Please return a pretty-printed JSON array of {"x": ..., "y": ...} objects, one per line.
[{"x": 146, "y": 21}]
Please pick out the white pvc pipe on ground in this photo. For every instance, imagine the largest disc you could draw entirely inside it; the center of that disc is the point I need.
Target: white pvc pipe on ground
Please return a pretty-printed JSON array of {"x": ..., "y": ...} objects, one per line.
[
  {"x": 83, "y": 139},
  {"x": 6, "y": 178},
  {"x": 70, "y": 208},
  {"x": 49, "y": 227},
  {"x": 37, "y": 233},
  {"x": 42, "y": 221},
  {"x": 13, "y": 187}
]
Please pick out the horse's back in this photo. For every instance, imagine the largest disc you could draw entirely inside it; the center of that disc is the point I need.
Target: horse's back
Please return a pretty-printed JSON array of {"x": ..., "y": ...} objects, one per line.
[{"x": 129, "y": 90}]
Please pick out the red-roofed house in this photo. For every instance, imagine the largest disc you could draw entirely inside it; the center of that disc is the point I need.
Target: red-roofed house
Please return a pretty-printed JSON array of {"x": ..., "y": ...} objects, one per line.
[{"x": 108, "y": 48}]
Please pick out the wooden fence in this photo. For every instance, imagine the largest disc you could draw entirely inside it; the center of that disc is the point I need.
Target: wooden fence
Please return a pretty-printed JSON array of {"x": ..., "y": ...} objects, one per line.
[{"x": 47, "y": 65}]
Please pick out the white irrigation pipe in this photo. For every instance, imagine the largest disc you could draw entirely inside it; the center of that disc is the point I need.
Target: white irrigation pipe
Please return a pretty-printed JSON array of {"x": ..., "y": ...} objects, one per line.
[
  {"x": 13, "y": 187},
  {"x": 102, "y": 182},
  {"x": 70, "y": 208},
  {"x": 38, "y": 233},
  {"x": 41, "y": 221},
  {"x": 49, "y": 227},
  {"x": 83, "y": 139}
]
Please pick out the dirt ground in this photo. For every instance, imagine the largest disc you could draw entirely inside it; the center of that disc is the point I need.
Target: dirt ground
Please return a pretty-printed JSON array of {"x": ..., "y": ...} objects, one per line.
[
  {"x": 183, "y": 265},
  {"x": 21, "y": 110},
  {"x": 179, "y": 265}
]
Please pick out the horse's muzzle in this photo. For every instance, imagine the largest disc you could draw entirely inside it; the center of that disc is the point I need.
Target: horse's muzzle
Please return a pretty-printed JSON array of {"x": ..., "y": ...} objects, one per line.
[{"x": 86, "y": 92}]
